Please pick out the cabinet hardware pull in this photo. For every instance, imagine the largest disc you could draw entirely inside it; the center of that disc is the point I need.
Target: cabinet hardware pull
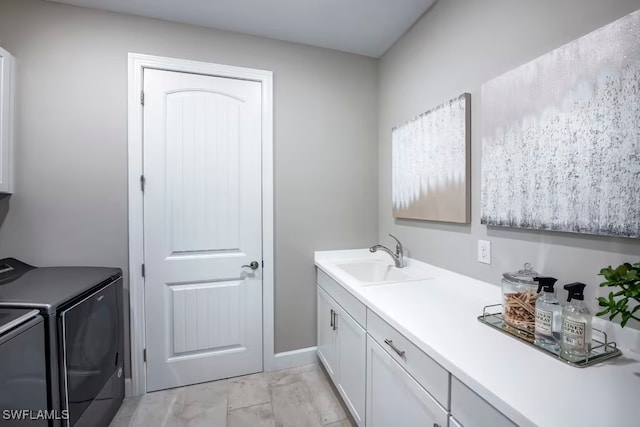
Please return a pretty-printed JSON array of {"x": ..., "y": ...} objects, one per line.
[
  {"x": 331, "y": 321},
  {"x": 390, "y": 344},
  {"x": 335, "y": 317}
]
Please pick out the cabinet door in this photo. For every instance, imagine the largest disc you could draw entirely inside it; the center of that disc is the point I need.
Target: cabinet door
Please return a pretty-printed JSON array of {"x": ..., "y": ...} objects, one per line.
[
  {"x": 470, "y": 410},
  {"x": 394, "y": 398},
  {"x": 326, "y": 333},
  {"x": 351, "y": 352}
]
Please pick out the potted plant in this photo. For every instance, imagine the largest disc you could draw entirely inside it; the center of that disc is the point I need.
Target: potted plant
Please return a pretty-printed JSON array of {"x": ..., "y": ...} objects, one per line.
[{"x": 626, "y": 300}]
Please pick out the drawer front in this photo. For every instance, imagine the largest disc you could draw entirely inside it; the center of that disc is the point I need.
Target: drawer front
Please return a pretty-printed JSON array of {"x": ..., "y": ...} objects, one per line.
[
  {"x": 433, "y": 377},
  {"x": 348, "y": 302},
  {"x": 470, "y": 410}
]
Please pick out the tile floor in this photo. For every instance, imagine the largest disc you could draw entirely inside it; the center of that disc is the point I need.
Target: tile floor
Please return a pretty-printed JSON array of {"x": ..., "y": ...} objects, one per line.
[{"x": 297, "y": 397}]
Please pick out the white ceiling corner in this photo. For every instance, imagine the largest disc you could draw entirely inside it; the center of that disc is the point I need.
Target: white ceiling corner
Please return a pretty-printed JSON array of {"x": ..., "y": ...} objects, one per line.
[{"x": 365, "y": 27}]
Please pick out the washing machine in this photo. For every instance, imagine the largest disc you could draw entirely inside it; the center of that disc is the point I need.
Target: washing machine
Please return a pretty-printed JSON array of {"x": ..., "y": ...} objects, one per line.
[{"x": 82, "y": 319}]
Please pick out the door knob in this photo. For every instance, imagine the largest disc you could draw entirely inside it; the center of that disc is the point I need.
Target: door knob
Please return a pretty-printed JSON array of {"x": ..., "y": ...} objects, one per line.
[{"x": 254, "y": 265}]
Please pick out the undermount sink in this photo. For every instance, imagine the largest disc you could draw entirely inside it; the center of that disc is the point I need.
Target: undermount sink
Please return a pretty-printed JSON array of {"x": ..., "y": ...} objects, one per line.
[{"x": 375, "y": 272}]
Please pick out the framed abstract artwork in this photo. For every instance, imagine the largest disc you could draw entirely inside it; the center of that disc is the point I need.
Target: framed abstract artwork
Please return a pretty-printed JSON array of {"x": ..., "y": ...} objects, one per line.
[
  {"x": 561, "y": 138},
  {"x": 431, "y": 164}
]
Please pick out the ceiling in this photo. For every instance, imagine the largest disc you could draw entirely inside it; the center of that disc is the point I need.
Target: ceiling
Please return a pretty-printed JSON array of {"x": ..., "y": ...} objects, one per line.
[{"x": 366, "y": 27}]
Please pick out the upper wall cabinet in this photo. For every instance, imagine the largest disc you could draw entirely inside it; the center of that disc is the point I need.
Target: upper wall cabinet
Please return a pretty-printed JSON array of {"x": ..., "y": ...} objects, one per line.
[{"x": 6, "y": 128}]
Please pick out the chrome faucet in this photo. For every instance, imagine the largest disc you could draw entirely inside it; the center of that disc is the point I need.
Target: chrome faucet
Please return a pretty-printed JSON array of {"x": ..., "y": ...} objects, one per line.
[{"x": 398, "y": 257}]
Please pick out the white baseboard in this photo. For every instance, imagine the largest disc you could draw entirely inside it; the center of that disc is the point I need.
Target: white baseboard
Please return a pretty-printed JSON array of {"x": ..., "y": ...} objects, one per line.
[{"x": 294, "y": 358}]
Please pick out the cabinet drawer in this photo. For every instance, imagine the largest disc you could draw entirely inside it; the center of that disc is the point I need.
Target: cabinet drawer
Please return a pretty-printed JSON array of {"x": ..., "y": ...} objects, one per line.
[
  {"x": 433, "y": 377},
  {"x": 470, "y": 410},
  {"x": 348, "y": 302}
]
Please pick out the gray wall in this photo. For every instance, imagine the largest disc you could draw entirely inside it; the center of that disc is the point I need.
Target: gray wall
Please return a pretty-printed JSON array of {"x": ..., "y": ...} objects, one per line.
[
  {"x": 453, "y": 49},
  {"x": 70, "y": 201}
]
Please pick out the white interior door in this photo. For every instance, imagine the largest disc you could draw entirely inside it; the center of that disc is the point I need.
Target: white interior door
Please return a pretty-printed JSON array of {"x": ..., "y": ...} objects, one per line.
[{"x": 202, "y": 223}]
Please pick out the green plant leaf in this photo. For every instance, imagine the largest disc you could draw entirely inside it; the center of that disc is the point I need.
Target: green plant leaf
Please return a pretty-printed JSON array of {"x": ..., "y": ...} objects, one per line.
[
  {"x": 622, "y": 270},
  {"x": 612, "y": 302},
  {"x": 625, "y": 318},
  {"x": 625, "y": 277}
]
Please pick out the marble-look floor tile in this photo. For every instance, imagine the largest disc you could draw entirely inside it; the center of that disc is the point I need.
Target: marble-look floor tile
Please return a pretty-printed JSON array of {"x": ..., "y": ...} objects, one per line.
[
  {"x": 200, "y": 405},
  {"x": 309, "y": 367},
  {"x": 252, "y": 416},
  {"x": 293, "y": 406},
  {"x": 128, "y": 407},
  {"x": 300, "y": 397},
  {"x": 155, "y": 408},
  {"x": 248, "y": 391},
  {"x": 125, "y": 413},
  {"x": 284, "y": 377},
  {"x": 323, "y": 395}
]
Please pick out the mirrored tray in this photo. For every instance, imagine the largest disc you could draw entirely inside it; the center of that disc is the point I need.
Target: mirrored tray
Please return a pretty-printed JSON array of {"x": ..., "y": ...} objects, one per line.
[{"x": 601, "y": 350}]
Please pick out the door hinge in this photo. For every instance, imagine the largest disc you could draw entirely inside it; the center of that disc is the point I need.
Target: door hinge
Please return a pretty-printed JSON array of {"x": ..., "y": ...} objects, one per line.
[
  {"x": 142, "y": 97},
  {"x": 144, "y": 355},
  {"x": 143, "y": 181},
  {"x": 143, "y": 271}
]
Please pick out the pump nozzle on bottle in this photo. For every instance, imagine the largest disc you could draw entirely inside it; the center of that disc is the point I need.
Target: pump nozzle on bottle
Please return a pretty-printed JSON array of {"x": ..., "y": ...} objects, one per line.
[
  {"x": 576, "y": 291},
  {"x": 546, "y": 283}
]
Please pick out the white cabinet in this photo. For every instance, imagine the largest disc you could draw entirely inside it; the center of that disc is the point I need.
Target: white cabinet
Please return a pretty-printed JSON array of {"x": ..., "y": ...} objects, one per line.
[
  {"x": 342, "y": 350},
  {"x": 326, "y": 333},
  {"x": 384, "y": 379},
  {"x": 394, "y": 398},
  {"x": 6, "y": 117}
]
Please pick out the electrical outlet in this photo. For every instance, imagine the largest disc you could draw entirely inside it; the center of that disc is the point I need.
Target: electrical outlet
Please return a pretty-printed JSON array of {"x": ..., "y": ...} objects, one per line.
[{"x": 484, "y": 251}]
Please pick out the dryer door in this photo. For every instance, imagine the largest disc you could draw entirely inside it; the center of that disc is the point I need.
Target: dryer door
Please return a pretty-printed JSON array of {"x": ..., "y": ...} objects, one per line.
[
  {"x": 90, "y": 348},
  {"x": 23, "y": 378}
]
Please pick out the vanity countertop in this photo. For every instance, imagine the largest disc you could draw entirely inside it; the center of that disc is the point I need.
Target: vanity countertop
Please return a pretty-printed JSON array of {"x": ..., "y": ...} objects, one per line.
[{"x": 439, "y": 315}]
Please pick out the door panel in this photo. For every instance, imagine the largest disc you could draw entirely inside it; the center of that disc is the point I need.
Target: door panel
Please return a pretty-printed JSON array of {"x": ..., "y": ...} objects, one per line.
[
  {"x": 207, "y": 317},
  {"x": 202, "y": 223},
  {"x": 203, "y": 196}
]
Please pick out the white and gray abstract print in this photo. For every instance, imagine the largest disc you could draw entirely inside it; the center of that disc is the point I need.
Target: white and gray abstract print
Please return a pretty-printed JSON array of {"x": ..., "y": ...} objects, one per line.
[
  {"x": 561, "y": 137},
  {"x": 430, "y": 164}
]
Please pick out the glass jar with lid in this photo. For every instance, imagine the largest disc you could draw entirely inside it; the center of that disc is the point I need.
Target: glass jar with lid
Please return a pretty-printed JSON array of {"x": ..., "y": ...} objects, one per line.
[{"x": 519, "y": 295}]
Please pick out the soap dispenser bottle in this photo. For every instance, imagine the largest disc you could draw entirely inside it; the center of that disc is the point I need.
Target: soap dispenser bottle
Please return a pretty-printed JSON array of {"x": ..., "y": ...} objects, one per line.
[
  {"x": 576, "y": 325},
  {"x": 548, "y": 315}
]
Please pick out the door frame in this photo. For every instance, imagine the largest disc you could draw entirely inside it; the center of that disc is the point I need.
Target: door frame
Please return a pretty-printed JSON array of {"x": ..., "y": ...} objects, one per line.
[{"x": 137, "y": 64}]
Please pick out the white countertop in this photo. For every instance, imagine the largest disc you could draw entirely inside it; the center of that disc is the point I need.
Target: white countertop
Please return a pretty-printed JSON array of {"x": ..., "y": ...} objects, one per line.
[{"x": 439, "y": 315}]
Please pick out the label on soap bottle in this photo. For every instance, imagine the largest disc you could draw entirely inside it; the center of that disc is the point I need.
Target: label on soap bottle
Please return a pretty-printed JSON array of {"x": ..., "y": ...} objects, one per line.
[
  {"x": 573, "y": 333},
  {"x": 543, "y": 322}
]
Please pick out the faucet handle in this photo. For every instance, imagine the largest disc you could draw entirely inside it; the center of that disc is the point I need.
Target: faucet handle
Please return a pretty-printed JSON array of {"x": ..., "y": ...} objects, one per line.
[{"x": 399, "y": 248}]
